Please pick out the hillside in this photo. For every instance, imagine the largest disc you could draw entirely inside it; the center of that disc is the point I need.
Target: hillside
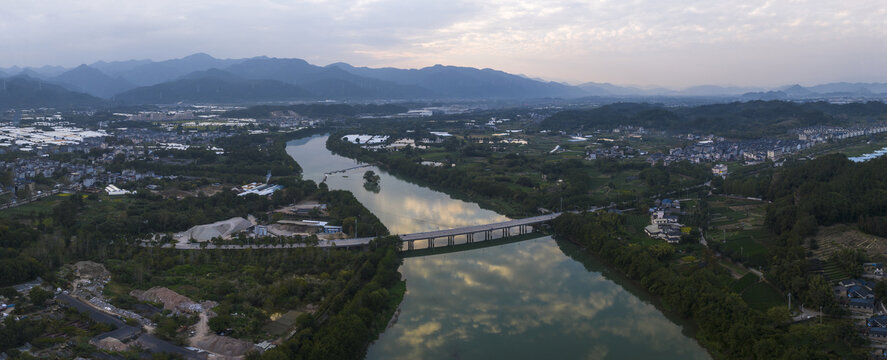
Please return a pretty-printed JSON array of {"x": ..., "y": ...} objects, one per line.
[
  {"x": 213, "y": 87},
  {"x": 24, "y": 91},
  {"x": 464, "y": 82},
  {"x": 92, "y": 81}
]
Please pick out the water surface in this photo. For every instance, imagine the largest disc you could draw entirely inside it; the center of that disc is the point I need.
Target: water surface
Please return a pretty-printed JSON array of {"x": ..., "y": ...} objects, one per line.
[{"x": 527, "y": 300}]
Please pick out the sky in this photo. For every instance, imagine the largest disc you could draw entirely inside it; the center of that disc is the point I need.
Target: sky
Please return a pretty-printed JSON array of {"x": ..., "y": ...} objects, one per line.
[{"x": 673, "y": 43}]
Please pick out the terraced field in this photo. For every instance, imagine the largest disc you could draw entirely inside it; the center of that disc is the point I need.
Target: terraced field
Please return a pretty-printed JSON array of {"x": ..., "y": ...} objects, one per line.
[{"x": 836, "y": 237}]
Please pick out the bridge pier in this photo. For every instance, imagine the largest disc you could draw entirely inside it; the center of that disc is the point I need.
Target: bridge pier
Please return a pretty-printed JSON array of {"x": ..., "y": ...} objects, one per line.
[{"x": 523, "y": 227}]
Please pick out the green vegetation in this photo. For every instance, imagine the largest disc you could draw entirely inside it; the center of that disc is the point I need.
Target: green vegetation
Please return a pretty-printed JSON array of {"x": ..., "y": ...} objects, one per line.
[
  {"x": 744, "y": 282},
  {"x": 762, "y": 296},
  {"x": 520, "y": 183},
  {"x": 346, "y": 323},
  {"x": 345, "y": 296},
  {"x": 729, "y": 325}
]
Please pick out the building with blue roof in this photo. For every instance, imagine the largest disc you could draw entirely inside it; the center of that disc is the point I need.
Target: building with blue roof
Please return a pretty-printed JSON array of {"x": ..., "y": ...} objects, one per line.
[
  {"x": 859, "y": 291},
  {"x": 864, "y": 304},
  {"x": 878, "y": 332},
  {"x": 877, "y": 321}
]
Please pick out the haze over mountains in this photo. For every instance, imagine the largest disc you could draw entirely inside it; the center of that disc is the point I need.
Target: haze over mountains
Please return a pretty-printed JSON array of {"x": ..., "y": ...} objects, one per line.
[{"x": 201, "y": 78}]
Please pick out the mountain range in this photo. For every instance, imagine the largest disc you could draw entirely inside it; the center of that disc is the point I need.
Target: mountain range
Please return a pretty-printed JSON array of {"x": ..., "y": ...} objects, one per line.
[{"x": 201, "y": 78}]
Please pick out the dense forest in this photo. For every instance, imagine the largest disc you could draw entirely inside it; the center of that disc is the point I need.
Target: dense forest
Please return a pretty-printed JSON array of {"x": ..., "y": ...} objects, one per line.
[
  {"x": 751, "y": 120},
  {"x": 827, "y": 190}
]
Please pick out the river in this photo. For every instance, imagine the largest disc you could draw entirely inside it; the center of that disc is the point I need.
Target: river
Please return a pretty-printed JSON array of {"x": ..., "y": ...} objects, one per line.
[{"x": 524, "y": 300}]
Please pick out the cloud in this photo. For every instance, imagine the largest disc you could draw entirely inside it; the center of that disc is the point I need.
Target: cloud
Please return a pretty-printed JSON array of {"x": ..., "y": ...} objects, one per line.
[{"x": 669, "y": 42}]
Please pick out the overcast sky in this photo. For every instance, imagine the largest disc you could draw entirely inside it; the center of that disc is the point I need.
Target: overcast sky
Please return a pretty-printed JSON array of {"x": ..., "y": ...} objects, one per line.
[{"x": 674, "y": 43}]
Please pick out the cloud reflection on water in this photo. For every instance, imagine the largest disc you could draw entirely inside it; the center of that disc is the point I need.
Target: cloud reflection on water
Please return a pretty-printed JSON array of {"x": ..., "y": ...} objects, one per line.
[{"x": 520, "y": 300}]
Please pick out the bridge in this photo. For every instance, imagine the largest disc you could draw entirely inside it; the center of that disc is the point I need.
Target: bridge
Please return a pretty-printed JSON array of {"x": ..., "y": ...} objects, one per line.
[
  {"x": 523, "y": 226},
  {"x": 327, "y": 174},
  {"x": 481, "y": 232}
]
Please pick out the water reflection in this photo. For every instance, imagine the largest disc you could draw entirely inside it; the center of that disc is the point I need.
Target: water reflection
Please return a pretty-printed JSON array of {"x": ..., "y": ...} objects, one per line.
[
  {"x": 524, "y": 300},
  {"x": 403, "y": 207}
]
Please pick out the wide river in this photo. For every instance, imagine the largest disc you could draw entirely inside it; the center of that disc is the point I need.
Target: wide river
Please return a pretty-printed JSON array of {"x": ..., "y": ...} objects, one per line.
[{"x": 538, "y": 298}]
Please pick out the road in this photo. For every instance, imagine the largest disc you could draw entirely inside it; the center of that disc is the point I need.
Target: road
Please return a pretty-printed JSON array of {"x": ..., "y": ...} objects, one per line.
[
  {"x": 123, "y": 331},
  {"x": 93, "y": 313},
  {"x": 30, "y": 199},
  {"x": 806, "y": 314},
  {"x": 156, "y": 345}
]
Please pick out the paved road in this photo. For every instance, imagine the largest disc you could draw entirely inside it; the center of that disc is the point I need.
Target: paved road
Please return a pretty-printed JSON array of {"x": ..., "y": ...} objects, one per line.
[
  {"x": 93, "y": 313},
  {"x": 156, "y": 345},
  {"x": 123, "y": 331},
  {"x": 806, "y": 314}
]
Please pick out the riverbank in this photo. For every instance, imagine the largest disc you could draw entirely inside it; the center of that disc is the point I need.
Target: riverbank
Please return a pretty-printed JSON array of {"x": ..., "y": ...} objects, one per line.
[
  {"x": 505, "y": 207},
  {"x": 698, "y": 290},
  {"x": 493, "y": 299}
]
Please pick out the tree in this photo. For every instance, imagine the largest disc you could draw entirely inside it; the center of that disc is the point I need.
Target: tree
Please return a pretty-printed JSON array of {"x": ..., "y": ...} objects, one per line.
[
  {"x": 371, "y": 177},
  {"x": 39, "y": 296}
]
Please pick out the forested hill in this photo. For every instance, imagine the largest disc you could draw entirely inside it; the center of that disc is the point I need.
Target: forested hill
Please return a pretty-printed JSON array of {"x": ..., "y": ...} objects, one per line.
[
  {"x": 828, "y": 190},
  {"x": 24, "y": 91},
  {"x": 738, "y": 119}
]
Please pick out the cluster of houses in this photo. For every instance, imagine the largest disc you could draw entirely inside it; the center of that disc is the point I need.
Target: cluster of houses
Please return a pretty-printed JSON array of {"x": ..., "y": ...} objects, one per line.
[
  {"x": 664, "y": 221},
  {"x": 749, "y": 151},
  {"x": 713, "y": 149},
  {"x": 80, "y": 176},
  {"x": 826, "y": 133},
  {"x": 160, "y": 115},
  {"x": 856, "y": 294}
]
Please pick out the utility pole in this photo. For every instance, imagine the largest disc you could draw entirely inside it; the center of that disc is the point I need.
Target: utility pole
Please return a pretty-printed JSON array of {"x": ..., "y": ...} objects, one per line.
[
  {"x": 355, "y": 226},
  {"x": 789, "y": 301},
  {"x": 820, "y": 314}
]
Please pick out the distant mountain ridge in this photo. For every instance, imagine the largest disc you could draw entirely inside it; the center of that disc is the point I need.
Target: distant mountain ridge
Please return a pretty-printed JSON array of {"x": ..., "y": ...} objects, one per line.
[
  {"x": 212, "y": 86},
  {"x": 279, "y": 79},
  {"x": 92, "y": 81},
  {"x": 466, "y": 82}
]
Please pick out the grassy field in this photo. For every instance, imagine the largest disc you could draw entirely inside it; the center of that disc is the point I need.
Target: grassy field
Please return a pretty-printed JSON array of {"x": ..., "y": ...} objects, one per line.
[
  {"x": 763, "y": 296},
  {"x": 634, "y": 224},
  {"x": 744, "y": 282},
  {"x": 730, "y": 213},
  {"x": 740, "y": 222},
  {"x": 40, "y": 208}
]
